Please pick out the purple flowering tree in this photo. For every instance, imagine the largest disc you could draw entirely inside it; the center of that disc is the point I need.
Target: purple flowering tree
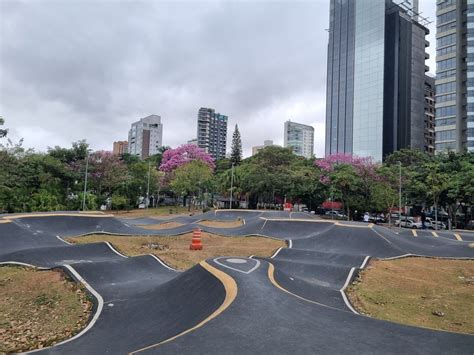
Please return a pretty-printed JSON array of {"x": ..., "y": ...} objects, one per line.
[
  {"x": 363, "y": 166},
  {"x": 348, "y": 175},
  {"x": 106, "y": 172},
  {"x": 175, "y": 158}
]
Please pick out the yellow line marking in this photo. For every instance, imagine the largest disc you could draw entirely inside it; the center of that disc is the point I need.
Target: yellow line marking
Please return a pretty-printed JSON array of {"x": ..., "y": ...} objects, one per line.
[
  {"x": 458, "y": 237},
  {"x": 435, "y": 234},
  {"x": 231, "y": 293},
  {"x": 4, "y": 221},
  {"x": 271, "y": 276},
  {"x": 414, "y": 233}
]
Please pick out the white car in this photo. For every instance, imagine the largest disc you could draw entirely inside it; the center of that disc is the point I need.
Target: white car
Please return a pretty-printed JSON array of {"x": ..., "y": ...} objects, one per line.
[
  {"x": 409, "y": 222},
  {"x": 335, "y": 214},
  {"x": 430, "y": 223}
]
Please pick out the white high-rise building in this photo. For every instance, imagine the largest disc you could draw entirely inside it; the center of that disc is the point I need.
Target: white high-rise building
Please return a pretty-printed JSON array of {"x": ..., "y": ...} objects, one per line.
[
  {"x": 212, "y": 132},
  {"x": 145, "y": 137},
  {"x": 300, "y": 137}
]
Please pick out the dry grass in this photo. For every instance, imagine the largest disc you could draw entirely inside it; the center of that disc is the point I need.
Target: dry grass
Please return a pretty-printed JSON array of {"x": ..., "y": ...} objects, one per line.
[
  {"x": 425, "y": 292},
  {"x": 164, "y": 225},
  {"x": 39, "y": 308},
  {"x": 175, "y": 250},
  {"x": 221, "y": 224},
  {"x": 150, "y": 212}
]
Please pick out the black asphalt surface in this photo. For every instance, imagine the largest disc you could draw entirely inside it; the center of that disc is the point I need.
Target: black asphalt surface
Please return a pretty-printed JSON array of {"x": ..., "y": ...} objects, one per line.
[{"x": 292, "y": 302}]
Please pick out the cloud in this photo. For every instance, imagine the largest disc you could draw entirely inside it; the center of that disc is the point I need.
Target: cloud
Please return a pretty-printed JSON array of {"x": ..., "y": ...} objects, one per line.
[{"x": 87, "y": 69}]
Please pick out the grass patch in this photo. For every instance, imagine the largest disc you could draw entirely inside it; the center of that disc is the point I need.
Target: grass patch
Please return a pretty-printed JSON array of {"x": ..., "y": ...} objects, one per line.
[
  {"x": 424, "y": 292},
  {"x": 175, "y": 250},
  {"x": 164, "y": 225},
  {"x": 221, "y": 224},
  {"x": 39, "y": 308}
]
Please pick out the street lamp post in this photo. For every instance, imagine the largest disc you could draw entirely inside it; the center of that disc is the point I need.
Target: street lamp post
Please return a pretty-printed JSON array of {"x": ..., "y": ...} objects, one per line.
[
  {"x": 148, "y": 185},
  {"x": 400, "y": 195},
  {"x": 231, "y": 184},
  {"x": 85, "y": 185}
]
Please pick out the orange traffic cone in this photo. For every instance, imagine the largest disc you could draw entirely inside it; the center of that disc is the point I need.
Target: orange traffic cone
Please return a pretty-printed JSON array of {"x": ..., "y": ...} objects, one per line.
[{"x": 196, "y": 243}]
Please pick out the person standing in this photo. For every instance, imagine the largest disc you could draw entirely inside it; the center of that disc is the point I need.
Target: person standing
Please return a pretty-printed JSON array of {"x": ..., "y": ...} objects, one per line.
[
  {"x": 423, "y": 219},
  {"x": 366, "y": 217}
]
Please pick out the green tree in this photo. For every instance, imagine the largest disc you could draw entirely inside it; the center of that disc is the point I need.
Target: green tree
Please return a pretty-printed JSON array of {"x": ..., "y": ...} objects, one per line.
[
  {"x": 347, "y": 185},
  {"x": 236, "y": 150},
  {"x": 436, "y": 183},
  {"x": 77, "y": 152},
  {"x": 385, "y": 190},
  {"x": 44, "y": 201},
  {"x": 192, "y": 179},
  {"x": 3, "y": 132},
  {"x": 410, "y": 158}
]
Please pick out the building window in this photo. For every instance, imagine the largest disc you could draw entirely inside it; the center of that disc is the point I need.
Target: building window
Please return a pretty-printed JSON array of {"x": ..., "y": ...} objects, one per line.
[
  {"x": 446, "y": 64},
  {"x": 446, "y": 135},
  {"x": 446, "y": 40},
  {"x": 444, "y": 98},
  {"x": 446, "y": 74},
  {"x": 446, "y": 111},
  {"x": 445, "y": 146},
  {"x": 445, "y": 122},
  {"x": 446, "y": 50},
  {"x": 445, "y": 88},
  {"x": 446, "y": 3},
  {"x": 448, "y": 16},
  {"x": 447, "y": 27}
]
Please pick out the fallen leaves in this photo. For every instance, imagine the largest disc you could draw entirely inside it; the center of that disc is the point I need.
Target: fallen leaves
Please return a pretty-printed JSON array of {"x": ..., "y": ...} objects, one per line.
[{"x": 39, "y": 308}]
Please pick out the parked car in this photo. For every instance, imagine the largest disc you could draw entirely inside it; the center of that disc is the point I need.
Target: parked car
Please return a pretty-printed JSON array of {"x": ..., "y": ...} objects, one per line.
[
  {"x": 408, "y": 222},
  {"x": 335, "y": 214},
  {"x": 470, "y": 224},
  {"x": 431, "y": 224},
  {"x": 376, "y": 219}
]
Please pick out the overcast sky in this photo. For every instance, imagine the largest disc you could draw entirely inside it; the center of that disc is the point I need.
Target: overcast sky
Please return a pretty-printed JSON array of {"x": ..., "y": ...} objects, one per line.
[{"x": 80, "y": 69}]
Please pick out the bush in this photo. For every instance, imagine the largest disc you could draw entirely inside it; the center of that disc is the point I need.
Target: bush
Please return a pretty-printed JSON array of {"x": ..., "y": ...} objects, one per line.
[
  {"x": 45, "y": 201},
  {"x": 119, "y": 202},
  {"x": 75, "y": 202}
]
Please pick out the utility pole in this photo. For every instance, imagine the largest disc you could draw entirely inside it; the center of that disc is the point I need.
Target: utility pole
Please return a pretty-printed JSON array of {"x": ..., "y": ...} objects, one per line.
[
  {"x": 85, "y": 184},
  {"x": 231, "y": 184},
  {"x": 148, "y": 185},
  {"x": 400, "y": 195}
]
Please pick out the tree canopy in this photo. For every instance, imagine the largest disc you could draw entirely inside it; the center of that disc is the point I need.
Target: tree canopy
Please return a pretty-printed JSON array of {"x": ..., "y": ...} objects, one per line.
[{"x": 236, "y": 149}]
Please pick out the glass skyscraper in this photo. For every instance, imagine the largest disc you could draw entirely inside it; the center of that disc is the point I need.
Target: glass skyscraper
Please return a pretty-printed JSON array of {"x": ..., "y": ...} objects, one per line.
[
  {"x": 375, "y": 81},
  {"x": 455, "y": 75}
]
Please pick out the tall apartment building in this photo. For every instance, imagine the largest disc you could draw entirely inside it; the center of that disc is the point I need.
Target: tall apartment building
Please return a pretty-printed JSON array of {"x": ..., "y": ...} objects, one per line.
[
  {"x": 212, "y": 132},
  {"x": 430, "y": 112},
  {"x": 300, "y": 137},
  {"x": 257, "y": 148},
  {"x": 120, "y": 147},
  {"x": 145, "y": 137},
  {"x": 455, "y": 75},
  {"x": 375, "y": 78}
]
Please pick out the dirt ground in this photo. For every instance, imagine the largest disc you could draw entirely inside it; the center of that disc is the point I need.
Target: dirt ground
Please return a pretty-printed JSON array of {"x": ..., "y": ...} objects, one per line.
[
  {"x": 39, "y": 308},
  {"x": 165, "y": 225},
  {"x": 425, "y": 292},
  {"x": 221, "y": 224},
  {"x": 157, "y": 211},
  {"x": 175, "y": 250}
]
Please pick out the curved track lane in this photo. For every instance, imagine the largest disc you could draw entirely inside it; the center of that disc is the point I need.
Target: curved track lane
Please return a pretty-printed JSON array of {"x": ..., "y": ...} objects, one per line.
[{"x": 291, "y": 302}]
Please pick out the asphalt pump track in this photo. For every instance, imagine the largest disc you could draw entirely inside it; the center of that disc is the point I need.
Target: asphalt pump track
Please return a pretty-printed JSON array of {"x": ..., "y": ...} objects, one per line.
[{"x": 293, "y": 302}]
